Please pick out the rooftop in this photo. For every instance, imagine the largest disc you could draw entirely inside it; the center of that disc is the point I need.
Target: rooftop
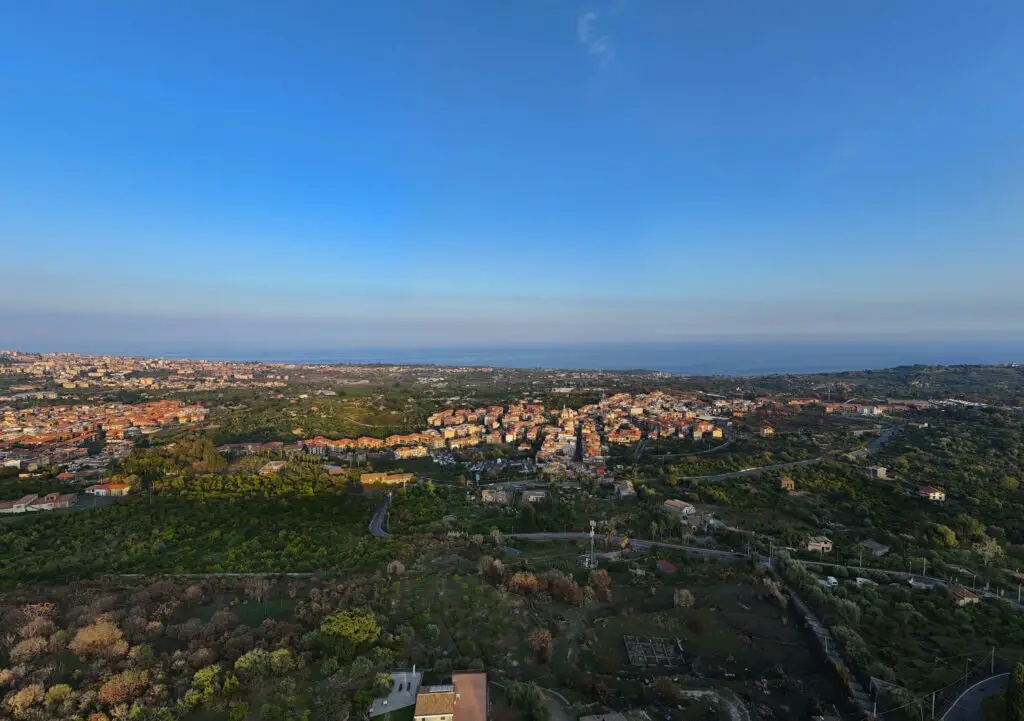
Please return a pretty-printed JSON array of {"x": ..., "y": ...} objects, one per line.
[
  {"x": 404, "y": 686},
  {"x": 435, "y": 703},
  {"x": 471, "y": 688}
]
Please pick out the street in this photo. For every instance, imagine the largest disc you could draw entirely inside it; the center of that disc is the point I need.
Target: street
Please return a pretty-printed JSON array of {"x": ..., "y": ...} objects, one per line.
[
  {"x": 967, "y": 706},
  {"x": 379, "y": 516}
]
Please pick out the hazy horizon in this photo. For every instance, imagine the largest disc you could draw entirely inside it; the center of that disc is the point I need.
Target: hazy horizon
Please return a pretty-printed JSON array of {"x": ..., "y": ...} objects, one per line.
[
  {"x": 536, "y": 172},
  {"x": 696, "y": 357}
]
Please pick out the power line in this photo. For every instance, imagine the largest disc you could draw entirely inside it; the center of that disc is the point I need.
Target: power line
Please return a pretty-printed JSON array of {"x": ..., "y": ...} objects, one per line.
[{"x": 926, "y": 694}]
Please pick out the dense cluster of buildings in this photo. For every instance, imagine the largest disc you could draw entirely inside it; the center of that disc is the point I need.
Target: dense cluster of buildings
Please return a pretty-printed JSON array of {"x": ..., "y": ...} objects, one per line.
[
  {"x": 43, "y": 373},
  {"x": 40, "y": 435},
  {"x": 563, "y": 439}
]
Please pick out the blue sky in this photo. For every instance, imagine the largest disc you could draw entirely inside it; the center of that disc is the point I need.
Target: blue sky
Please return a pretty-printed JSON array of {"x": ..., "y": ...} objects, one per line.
[{"x": 466, "y": 172}]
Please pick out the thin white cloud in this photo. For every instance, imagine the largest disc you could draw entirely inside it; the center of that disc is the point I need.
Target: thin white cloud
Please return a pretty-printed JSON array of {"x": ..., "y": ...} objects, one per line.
[{"x": 597, "y": 44}]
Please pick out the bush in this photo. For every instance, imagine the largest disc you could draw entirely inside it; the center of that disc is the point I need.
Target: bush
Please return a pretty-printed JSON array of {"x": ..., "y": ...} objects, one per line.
[
  {"x": 360, "y": 667},
  {"x": 254, "y": 664},
  {"x": 683, "y": 598},
  {"x": 541, "y": 643},
  {"x": 382, "y": 684},
  {"x": 101, "y": 638},
  {"x": 523, "y": 583},
  {"x": 36, "y": 627},
  {"x": 351, "y": 628},
  {"x": 56, "y": 695},
  {"x": 566, "y": 590},
  {"x": 329, "y": 667},
  {"x": 28, "y": 649},
  {"x": 528, "y": 698},
  {"x": 24, "y": 699},
  {"x": 124, "y": 687},
  {"x": 281, "y": 661}
]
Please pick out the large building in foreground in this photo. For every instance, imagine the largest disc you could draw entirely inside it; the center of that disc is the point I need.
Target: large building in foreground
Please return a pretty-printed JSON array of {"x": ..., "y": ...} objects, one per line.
[{"x": 465, "y": 699}]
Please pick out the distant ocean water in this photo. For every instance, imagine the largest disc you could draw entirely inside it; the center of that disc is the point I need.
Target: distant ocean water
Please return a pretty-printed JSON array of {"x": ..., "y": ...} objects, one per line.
[{"x": 687, "y": 358}]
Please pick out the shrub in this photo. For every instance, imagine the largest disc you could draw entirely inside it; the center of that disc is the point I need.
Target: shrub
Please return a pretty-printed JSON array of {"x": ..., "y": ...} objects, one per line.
[
  {"x": 683, "y": 598},
  {"x": 382, "y": 684},
  {"x": 329, "y": 667},
  {"x": 124, "y": 687},
  {"x": 523, "y": 583},
  {"x": 566, "y": 590},
  {"x": 352, "y": 628},
  {"x": 103, "y": 638},
  {"x": 541, "y": 643},
  {"x": 361, "y": 666},
  {"x": 28, "y": 649},
  {"x": 599, "y": 579},
  {"x": 56, "y": 695},
  {"x": 281, "y": 661},
  {"x": 24, "y": 699},
  {"x": 528, "y": 698},
  {"x": 36, "y": 627},
  {"x": 254, "y": 664}
]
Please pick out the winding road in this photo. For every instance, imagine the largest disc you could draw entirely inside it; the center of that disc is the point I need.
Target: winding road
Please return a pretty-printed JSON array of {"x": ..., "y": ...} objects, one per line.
[
  {"x": 379, "y": 516},
  {"x": 872, "y": 447},
  {"x": 967, "y": 706}
]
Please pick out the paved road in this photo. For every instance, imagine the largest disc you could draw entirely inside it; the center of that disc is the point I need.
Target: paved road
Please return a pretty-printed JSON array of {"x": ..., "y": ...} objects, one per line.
[
  {"x": 870, "y": 448},
  {"x": 755, "y": 471},
  {"x": 709, "y": 451},
  {"x": 377, "y": 522},
  {"x": 967, "y": 706},
  {"x": 881, "y": 440},
  {"x": 737, "y": 555},
  {"x": 634, "y": 543}
]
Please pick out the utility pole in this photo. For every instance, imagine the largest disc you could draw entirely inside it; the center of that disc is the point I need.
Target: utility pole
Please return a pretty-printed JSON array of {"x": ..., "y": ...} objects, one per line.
[
  {"x": 924, "y": 571},
  {"x": 933, "y": 704},
  {"x": 992, "y": 663}
]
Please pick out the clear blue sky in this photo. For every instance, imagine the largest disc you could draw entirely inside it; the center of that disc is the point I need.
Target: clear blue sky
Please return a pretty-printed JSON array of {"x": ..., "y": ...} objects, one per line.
[{"x": 467, "y": 171}]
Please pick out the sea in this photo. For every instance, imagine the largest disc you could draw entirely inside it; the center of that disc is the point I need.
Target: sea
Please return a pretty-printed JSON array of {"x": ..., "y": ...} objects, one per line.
[{"x": 737, "y": 358}]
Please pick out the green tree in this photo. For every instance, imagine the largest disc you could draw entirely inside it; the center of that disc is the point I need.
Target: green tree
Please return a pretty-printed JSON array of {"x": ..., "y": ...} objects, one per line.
[
  {"x": 351, "y": 628},
  {"x": 281, "y": 661},
  {"x": 382, "y": 683},
  {"x": 254, "y": 664},
  {"x": 1015, "y": 694},
  {"x": 942, "y": 535}
]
